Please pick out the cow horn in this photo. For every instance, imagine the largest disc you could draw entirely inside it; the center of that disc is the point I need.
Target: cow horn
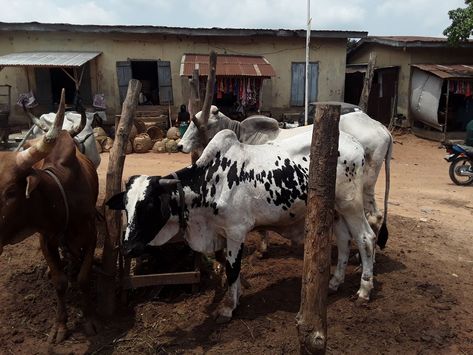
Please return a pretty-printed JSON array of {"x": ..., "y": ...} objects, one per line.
[
  {"x": 44, "y": 145},
  {"x": 83, "y": 119},
  {"x": 168, "y": 182},
  {"x": 196, "y": 121},
  {"x": 36, "y": 121}
]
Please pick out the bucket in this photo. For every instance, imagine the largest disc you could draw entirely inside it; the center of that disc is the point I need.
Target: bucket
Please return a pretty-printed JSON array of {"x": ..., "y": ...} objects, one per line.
[{"x": 183, "y": 128}]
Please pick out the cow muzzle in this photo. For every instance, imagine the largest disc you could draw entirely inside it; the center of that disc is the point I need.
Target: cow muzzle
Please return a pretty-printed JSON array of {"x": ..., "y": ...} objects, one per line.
[{"x": 132, "y": 249}]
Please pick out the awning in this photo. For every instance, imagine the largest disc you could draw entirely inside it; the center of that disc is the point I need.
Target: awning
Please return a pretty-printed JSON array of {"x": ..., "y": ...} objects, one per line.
[
  {"x": 47, "y": 59},
  {"x": 227, "y": 65},
  {"x": 457, "y": 71}
]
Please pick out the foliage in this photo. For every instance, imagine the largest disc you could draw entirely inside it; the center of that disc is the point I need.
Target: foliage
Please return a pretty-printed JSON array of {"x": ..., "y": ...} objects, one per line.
[{"x": 462, "y": 24}]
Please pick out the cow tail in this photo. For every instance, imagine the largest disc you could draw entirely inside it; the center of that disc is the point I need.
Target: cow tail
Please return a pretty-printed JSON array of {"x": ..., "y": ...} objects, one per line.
[{"x": 383, "y": 232}]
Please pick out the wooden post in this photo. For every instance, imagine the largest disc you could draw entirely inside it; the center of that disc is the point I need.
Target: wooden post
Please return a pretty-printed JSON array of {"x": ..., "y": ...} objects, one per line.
[
  {"x": 365, "y": 93},
  {"x": 312, "y": 316},
  {"x": 446, "y": 112},
  {"x": 194, "y": 105},
  {"x": 108, "y": 284},
  {"x": 209, "y": 94}
]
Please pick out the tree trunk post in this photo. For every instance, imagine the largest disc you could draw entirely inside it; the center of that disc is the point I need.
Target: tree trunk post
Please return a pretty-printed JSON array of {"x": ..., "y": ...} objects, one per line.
[
  {"x": 209, "y": 94},
  {"x": 113, "y": 220},
  {"x": 365, "y": 93},
  {"x": 312, "y": 316}
]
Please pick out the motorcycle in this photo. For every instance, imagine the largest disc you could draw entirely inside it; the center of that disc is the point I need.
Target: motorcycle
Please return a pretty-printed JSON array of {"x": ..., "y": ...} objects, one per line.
[{"x": 460, "y": 158}]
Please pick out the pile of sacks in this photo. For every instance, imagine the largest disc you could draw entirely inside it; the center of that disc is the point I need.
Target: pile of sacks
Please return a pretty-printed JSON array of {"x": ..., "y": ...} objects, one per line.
[{"x": 168, "y": 144}]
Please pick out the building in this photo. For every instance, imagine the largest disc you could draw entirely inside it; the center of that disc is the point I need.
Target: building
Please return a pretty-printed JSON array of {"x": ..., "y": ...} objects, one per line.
[
  {"x": 411, "y": 79},
  {"x": 263, "y": 67}
]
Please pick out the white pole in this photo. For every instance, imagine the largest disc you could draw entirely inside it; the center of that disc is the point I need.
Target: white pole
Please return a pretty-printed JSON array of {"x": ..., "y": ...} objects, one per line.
[{"x": 307, "y": 43}]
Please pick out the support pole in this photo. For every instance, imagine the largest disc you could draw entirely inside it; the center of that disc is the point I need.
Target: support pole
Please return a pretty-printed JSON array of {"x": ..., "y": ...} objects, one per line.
[
  {"x": 446, "y": 112},
  {"x": 108, "y": 284},
  {"x": 365, "y": 94},
  {"x": 307, "y": 52},
  {"x": 312, "y": 316}
]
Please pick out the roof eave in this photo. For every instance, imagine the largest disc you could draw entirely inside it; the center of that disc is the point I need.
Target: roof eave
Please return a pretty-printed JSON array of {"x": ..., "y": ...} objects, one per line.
[{"x": 177, "y": 31}]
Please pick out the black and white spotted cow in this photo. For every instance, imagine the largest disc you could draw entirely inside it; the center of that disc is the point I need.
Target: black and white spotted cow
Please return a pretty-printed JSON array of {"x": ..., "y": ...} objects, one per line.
[
  {"x": 372, "y": 135},
  {"x": 236, "y": 188}
]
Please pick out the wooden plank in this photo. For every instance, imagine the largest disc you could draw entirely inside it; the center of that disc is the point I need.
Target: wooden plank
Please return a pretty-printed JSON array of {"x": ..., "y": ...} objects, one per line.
[
  {"x": 174, "y": 278},
  {"x": 165, "y": 82}
]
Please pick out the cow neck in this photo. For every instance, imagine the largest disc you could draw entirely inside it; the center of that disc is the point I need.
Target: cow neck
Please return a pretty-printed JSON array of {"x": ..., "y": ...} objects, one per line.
[
  {"x": 180, "y": 207},
  {"x": 57, "y": 186}
]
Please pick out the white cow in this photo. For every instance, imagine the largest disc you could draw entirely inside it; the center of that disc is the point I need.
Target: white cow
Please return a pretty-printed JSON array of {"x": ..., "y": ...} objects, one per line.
[
  {"x": 84, "y": 139},
  {"x": 235, "y": 188},
  {"x": 372, "y": 135}
]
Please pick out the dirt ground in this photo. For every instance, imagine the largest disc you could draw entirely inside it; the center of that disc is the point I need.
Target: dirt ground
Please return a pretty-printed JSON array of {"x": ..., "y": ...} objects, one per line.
[{"x": 422, "y": 301}]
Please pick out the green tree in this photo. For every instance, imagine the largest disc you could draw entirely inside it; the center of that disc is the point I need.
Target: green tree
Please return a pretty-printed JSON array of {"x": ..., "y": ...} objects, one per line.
[{"x": 462, "y": 23}]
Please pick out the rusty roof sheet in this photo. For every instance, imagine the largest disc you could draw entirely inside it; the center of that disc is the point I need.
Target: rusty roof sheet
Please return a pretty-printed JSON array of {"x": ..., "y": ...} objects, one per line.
[
  {"x": 47, "y": 59},
  {"x": 455, "y": 71},
  {"x": 227, "y": 65}
]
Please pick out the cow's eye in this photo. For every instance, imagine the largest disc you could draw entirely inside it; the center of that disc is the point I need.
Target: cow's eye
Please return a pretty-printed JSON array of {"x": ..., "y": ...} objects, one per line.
[{"x": 10, "y": 193}]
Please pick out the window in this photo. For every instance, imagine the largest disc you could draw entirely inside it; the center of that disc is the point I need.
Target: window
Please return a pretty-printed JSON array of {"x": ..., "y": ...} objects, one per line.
[
  {"x": 50, "y": 81},
  {"x": 298, "y": 83},
  {"x": 155, "y": 77}
]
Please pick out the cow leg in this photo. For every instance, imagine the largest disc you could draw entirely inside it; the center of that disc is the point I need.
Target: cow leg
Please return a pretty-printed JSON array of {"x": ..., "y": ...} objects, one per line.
[
  {"x": 83, "y": 279},
  {"x": 232, "y": 270},
  {"x": 370, "y": 176},
  {"x": 59, "y": 279},
  {"x": 343, "y": 245},
  {"x": 365, "y": 239}
]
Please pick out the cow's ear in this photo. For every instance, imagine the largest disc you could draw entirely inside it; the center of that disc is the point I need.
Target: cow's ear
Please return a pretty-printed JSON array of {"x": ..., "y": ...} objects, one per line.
[
  {"x": 32, "y": 182},
  {"x": 117, "y": 202}
]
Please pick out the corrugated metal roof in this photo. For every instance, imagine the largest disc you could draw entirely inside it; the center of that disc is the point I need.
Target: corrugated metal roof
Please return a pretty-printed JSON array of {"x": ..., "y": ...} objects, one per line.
[
  {"x": 227, "y": 65},
  {"x": 408, "y": 42},
  {"x": 178, "y": 31},
  {"x": 457, "y": 71},
  {"x": 47, "y": 59}
]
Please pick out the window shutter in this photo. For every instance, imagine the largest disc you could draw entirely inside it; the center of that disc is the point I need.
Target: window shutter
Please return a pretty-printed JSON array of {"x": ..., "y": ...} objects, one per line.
[
  {"x": 165, "y": 82},
  {"x": 43, "y": 92},
  {"x": 85, "y": 86},
  {"x": 123, "y": 77},
  {"x": 297, "y": 84},
  {"x": 313, "y": 78}
]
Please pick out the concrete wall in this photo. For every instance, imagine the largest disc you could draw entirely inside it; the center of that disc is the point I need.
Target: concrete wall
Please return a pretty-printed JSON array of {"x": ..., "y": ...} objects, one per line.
[
  {"x": 393, "y": 56},
  {"x": 280, "y": 52},
  {"x": 388, "y": 56}
]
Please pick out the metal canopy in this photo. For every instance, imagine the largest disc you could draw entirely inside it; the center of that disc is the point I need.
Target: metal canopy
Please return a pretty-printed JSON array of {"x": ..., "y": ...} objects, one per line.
[
  {"x": 47, "y": 59},
  {"x": 227, "y": 65},
  {"x": 457, "y": 71}
]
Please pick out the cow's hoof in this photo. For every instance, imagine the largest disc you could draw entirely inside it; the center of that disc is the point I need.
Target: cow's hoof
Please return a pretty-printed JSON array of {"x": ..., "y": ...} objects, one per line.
[
  {"x": 361, "y": 302},
  {"x": 91, "y": 327},
  {"x": 332, "y": 291},
  {"x": 223, "y": 315},
  {"x": 57, "y": 334},
  {"x": 221, "y": 319}
]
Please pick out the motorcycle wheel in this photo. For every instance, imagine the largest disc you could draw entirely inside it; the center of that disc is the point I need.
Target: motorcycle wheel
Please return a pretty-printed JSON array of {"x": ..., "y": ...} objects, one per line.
[{"x": 459, "y": 164}]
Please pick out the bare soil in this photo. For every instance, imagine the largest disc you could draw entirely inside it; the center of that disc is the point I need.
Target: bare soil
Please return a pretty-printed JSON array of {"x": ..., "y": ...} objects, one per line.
[{"x": 422, "y": 301}]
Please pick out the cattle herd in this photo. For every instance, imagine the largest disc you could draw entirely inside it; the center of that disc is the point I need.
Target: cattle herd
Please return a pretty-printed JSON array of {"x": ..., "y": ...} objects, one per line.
[{"x": 251, "y": 176}]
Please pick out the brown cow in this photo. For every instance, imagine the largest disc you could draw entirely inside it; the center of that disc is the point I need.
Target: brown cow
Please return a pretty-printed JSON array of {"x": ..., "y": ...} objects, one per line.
[{"x": 51, "y": 188}]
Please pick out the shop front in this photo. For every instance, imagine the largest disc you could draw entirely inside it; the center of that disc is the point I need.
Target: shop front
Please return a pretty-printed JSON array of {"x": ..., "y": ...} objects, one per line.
[{"x": 239, "y": 81}]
